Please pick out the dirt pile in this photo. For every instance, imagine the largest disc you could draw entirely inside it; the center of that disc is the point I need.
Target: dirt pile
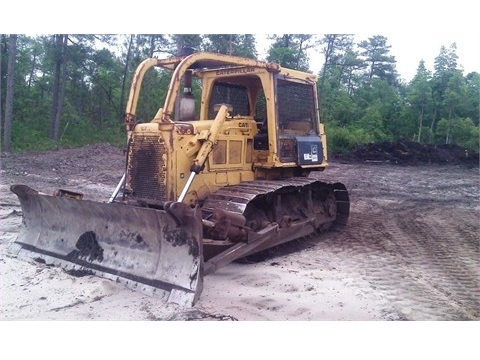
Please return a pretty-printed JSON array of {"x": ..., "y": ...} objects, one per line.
[
  {"x": 64, "y": 167},
  {"x": 410, "y": 153}
]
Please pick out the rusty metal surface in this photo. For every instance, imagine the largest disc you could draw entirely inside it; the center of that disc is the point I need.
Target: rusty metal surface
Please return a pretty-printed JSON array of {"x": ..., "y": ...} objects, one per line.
[
  {"x": 235, "y": 198},
  {"x": 158, "y": 251},
  {"x": 343, "y": 205},
  {"x": 146, "y": 168},
  {"x": 290, "y": 208}
]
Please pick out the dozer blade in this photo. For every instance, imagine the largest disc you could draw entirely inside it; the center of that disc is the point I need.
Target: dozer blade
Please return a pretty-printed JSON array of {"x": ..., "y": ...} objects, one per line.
[{"x": 154, "y": 251}]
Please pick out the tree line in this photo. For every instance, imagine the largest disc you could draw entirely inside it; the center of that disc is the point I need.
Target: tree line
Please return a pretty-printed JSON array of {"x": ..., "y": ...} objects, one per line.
[{"x": 71, "y": 89}]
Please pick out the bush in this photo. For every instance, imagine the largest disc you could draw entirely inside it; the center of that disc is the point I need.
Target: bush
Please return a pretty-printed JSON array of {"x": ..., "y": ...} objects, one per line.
[
  {"x": 343, "y": 139},
  {"x": 29, "y": 137},
  {"x": 463, "y": 132}
]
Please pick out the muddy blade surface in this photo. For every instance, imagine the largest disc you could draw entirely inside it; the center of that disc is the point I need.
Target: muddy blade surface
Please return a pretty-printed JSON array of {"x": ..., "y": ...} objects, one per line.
[{"x": 154, "y": 251}]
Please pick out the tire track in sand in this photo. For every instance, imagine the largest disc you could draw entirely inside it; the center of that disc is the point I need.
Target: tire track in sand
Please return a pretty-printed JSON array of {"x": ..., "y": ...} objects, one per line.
[{"x": 425, "y": 268}]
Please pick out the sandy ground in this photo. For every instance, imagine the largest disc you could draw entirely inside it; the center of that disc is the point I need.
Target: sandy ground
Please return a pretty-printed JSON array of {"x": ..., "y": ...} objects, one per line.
[{"x": 410, "y": 252}]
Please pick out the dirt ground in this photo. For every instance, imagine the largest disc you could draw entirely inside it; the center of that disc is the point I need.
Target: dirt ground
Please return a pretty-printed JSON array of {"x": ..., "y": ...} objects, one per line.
[{"x": 409, "y": 252}]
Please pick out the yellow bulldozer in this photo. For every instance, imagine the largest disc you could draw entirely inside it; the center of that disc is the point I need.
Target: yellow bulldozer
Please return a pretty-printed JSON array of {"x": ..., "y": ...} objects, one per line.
[{"x": 206, "y": 182}]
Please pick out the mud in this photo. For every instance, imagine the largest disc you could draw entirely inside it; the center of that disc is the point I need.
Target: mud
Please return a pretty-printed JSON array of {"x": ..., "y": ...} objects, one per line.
[{"x": 409, "y": 252}]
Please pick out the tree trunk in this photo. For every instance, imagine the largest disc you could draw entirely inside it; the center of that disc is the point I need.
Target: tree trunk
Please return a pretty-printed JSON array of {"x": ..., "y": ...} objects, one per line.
[
  {"x": 420, "y": 125},
  {"x": 449, "y": 126},
  {"x": 59, "y": 83},
  {"x": 372, "y": 67},
  {"x": 432, "y": 124},
  {"x": 350, "y": 82},
  {"x": 7, "y": 134},
  {"x": 328, "y": 53},
  {"x": 56, "y": 86},
  {"x": 32, "y": 69},
  {"x": 63, "y": 83},
  {"x": 124, "y": 80}
]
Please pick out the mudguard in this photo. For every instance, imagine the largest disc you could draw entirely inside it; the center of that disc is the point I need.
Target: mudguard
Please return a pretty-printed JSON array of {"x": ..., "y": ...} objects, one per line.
[{"x": 155, "y": 251}]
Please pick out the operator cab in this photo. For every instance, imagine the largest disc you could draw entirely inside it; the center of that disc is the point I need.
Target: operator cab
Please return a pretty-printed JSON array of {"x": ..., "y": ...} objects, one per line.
[
  {"x": 286, "y": 116},
  {"x": 279, "y": 105}
]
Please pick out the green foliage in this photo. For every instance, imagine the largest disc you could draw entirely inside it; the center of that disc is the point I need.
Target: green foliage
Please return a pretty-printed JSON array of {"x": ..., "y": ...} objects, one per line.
[
  {"x": 361, "y": 97},
  {"x": 26, "y": 138},
  {"x": 343, "y": 138},
  {"x": 289, "y": 50},
  {"x": 338, "y": 107},
  {"x": 372, "y": 123},
  {"x": 82, "y": 133},
  {"x": 403, "y": 124},
  {"x": 232, "y": 44},
  {"x": 380, "y": 64},
  {"x": 426, "y": 135},
  {"x": 442, "y": 130},
  {"x": 462, "y": 132},
  {"x": 286, "y": 57},
  {"x": 465, "y": 133},
  {"x": 154, "y": 91},
  {"x": 33, "y": 135},
  {"x": 472, "y": 97}
]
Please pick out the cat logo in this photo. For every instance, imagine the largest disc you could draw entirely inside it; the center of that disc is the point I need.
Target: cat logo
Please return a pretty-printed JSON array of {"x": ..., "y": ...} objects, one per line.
[{"x": 314, "y": 156}]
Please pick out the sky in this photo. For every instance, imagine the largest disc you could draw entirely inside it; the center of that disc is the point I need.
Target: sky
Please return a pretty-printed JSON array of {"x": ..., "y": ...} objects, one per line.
[
  {"x": 408, "y": 50},
  {"x": 415, "y": 29}
]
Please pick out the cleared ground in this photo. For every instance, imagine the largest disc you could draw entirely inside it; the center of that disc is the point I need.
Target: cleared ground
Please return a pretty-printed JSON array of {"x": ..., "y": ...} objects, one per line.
[{"x": 410, "y": 251}]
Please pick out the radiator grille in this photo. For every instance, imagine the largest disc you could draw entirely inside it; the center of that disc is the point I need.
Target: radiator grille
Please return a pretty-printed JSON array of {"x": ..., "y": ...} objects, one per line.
[{"x": 146, "y": 168}]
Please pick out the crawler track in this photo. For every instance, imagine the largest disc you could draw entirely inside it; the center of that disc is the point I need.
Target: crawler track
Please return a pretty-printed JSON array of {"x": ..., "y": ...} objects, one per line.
[
  {"x": 275, "y": 212},
  {"x": 242, "y": 198}
]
